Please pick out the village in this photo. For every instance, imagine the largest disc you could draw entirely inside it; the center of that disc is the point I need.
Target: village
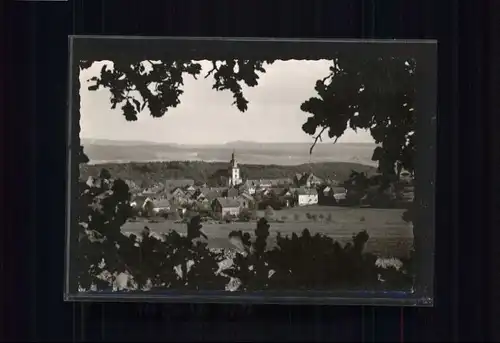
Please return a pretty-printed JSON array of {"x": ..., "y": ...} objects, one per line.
[{"x": 239, "y": 200}]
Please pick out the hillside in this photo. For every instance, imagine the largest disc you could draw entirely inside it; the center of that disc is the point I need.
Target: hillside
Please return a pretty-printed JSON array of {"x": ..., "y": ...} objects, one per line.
[
  {"x": 148, "y": 173},
  {"x": 102, "y": 151}
]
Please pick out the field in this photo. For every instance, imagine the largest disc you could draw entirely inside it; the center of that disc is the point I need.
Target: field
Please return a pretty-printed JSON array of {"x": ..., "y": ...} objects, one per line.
[{"x": 390, "y": 236}]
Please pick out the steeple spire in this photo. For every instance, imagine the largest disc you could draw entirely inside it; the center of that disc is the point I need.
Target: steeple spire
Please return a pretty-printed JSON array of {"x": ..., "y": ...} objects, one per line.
[{"x": 234, "y": 171}]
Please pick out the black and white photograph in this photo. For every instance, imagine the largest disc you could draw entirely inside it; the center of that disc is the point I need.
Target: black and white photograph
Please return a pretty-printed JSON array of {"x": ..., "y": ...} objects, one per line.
[{"x": 246, "y": 175}]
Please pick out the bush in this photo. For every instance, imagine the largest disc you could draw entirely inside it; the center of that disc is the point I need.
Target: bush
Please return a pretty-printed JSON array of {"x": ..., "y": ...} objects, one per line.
[
  {"x": 163, "y": 214},
  {"x": 245, "y": 215},
  {"x": 228, "y": 218},
  {"x": 269, "y": 213},
  {"x": 296, "y": 217},
  {"x": 329, "y": 217}
]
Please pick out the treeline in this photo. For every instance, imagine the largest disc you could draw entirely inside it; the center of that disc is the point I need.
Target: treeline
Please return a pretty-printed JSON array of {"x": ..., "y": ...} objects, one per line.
[{"x": 149, "y": 173}]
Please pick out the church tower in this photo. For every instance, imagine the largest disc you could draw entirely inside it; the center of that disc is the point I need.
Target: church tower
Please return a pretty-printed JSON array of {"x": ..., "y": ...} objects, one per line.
[{"x": 235, "y": 178}]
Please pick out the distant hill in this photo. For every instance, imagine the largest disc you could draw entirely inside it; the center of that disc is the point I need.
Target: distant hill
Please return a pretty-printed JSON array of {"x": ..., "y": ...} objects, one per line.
[
  {"x": 149, "y": 173},
  {"x": 107, "y": 151},
  {"x": 101, "y": 142}
]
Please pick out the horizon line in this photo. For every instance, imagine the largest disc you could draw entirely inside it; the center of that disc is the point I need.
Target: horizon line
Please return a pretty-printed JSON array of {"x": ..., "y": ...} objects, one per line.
[{"x": 93, "y": 163}]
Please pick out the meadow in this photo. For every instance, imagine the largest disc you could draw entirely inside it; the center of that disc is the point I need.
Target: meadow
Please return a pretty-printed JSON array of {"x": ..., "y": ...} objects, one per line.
[{"x": 390, "y": 236}]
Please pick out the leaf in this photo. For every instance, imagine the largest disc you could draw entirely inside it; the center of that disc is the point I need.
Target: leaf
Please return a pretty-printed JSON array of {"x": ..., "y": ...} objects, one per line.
[
  {"x": 378, "y": 153},
  {"x": 137, "y": 105},
  {"x": 93, "y": 87},
  {"x": 310, "y": 126}
]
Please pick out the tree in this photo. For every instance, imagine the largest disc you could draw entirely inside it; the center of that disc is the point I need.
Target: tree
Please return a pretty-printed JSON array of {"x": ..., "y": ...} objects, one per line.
[
  {"x": 104, "y": 174},
  {"x": 148, "y": 208},
  {"x": 269, "y": 213},
  {"x": 245, "y": 215},
  {"x": 194, "y": 228}
]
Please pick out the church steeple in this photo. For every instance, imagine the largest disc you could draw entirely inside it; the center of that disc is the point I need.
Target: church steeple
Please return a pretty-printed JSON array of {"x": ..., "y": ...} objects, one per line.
[
  {"x": 235, "y": 178},
  {"x": 233, "y": 161}
]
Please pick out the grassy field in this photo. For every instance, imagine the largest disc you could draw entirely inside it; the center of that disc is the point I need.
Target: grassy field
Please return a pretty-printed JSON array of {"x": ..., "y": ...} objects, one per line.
[{"x": 389, "y": 234}]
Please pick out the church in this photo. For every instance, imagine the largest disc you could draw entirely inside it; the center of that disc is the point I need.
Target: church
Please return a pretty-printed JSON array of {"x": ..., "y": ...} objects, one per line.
[{"x": 234, "y": 173}]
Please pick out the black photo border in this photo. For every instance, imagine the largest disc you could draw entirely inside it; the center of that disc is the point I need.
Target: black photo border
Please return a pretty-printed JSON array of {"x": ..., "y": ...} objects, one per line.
[{"x": 96, "y": 48}]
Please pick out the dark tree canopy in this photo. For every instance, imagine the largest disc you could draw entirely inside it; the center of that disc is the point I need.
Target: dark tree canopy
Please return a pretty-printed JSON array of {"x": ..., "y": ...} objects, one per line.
[{"x": 359, "y": 92}]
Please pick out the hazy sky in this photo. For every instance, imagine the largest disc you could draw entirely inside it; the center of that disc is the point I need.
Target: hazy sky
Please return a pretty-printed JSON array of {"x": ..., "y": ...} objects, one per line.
[{"x": 206, "y": 116}]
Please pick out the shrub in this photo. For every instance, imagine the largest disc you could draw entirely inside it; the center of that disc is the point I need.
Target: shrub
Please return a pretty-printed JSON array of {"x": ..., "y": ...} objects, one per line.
[
  {"x": 329, "y": 217},
  {"x": 296, "y": 216},
  {"x": 228, "y": 218},
  {"x": 245, "y": 215},
  {"x": 269, "y": 213}
]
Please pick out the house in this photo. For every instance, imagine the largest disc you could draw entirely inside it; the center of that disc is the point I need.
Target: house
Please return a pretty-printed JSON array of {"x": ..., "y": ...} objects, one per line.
[
  {"x": 287, "y": 196},
  {"x": 248, "y": 197},
  {"x": 142, "y": 203},
  {"x": 199, "y": 195},
  {"x": 307, "y": 196},
  {"x": 335, "y": 192},
  {"x": 246, "y": 201},
  {"x": 250, "y": 186},
  {"x": 190, "y": 188},
  {"x": 286, "y": 193},
  {"x": 260, "y": 183},
  {"x": 153, "y": 189},
  {"x": 213, "y": 193},
  {"x": 307, "y": 180},
  {"x": 226, "y": 206},
  {"x": 230, "y": 193},
  {"x": 179, "y": 197},
  {"x": 310, "y": 180},
  {"x": 178, "y": 192},
  {"x": 161, "y": 204},
  {"x": 180, "y": 183},
  {"x": 265, "y": 183}
]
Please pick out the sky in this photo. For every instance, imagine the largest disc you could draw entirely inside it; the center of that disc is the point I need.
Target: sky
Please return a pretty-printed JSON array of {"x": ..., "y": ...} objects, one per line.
[{"x": 206, "y": 116}]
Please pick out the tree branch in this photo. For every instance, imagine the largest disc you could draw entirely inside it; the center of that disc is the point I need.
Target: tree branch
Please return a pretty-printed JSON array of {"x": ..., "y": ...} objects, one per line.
[
  {"x": 318, "y": 137},
  {"x": 214, "y": 68}
]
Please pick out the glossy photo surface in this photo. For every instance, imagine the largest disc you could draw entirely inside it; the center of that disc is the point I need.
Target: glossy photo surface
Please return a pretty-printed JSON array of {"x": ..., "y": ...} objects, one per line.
[{"x": 251, "y": 171}]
